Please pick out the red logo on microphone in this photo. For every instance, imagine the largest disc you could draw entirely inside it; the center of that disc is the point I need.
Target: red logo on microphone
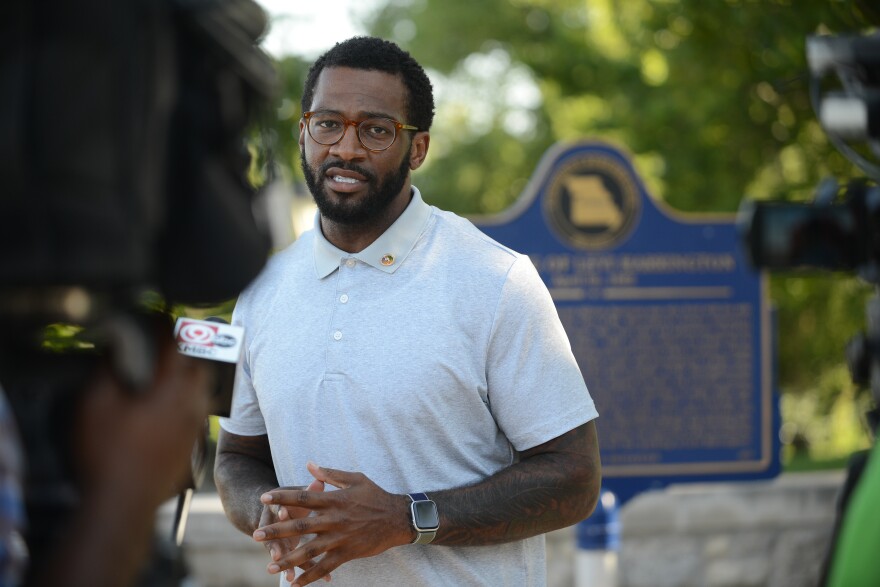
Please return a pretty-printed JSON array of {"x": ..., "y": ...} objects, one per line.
[{"x": 197, "y": 333}]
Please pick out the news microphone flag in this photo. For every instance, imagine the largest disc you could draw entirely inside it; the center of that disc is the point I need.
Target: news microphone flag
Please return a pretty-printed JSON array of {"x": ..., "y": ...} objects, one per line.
[{"x": 209, "y": 339}]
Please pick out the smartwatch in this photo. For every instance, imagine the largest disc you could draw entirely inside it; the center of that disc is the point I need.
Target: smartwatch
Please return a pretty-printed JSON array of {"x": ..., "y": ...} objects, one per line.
[{"x": 425, "y": 518}]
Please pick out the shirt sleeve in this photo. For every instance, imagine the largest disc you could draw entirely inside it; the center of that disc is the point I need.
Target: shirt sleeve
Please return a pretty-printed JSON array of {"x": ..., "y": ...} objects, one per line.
[
  {"x": 536, "y": 389},
  {"x": 245, "y": 417}
]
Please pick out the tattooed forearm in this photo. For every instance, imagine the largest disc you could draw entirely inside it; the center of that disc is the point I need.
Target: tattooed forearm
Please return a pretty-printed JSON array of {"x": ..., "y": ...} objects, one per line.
[
  {"x": 243, "y": 471},
  {"x": 552, "y": 486}
]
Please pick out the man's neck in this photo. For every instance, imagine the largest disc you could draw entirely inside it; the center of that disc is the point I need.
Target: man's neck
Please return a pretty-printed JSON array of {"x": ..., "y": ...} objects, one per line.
[{"x": 354, "y": 238}]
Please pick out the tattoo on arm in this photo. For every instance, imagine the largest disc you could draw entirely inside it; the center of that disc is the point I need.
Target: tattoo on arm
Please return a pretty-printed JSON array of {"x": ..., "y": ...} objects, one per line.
[
  {"x": 243, "y": 471},
  {"x": 553, "y": 485}
]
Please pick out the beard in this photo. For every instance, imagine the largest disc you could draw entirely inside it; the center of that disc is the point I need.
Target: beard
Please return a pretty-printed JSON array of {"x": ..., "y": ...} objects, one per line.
[{"x": 380, "y": 192}]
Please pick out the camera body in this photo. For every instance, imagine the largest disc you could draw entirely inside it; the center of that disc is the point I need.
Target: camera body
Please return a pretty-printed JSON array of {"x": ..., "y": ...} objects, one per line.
[{"x": 826, "y": 234}]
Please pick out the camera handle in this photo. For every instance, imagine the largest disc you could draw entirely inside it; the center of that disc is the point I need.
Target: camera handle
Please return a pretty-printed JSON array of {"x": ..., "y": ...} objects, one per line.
[
  {"x": 181, "y": 514},
  {"x": 198, "y": 468}
]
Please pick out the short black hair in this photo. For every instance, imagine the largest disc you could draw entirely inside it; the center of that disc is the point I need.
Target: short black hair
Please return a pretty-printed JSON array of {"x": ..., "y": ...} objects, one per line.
[{"x": 371, "y": 53}]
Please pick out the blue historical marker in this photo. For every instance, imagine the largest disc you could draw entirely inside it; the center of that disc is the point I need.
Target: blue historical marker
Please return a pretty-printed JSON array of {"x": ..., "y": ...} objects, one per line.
[{"x": 668, "y": 321}]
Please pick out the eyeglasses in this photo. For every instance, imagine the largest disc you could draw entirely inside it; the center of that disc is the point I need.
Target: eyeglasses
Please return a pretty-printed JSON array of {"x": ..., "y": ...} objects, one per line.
[{"x": 375, "y": 134}]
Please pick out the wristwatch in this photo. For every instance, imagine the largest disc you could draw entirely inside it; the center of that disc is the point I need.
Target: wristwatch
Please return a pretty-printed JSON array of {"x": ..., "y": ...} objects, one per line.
[{"x": 425, "y": 518}]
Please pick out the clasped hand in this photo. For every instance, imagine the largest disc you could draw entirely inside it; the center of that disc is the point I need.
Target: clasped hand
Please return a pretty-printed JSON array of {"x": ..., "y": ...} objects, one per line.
[{"x": 358, "y": 520}]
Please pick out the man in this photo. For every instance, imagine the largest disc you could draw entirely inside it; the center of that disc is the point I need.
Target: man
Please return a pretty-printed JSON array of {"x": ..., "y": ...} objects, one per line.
[{"x": 396, "y": 351}]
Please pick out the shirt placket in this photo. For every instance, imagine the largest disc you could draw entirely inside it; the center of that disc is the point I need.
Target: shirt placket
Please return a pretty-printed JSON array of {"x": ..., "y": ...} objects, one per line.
[{"x": 340, "y": 322}]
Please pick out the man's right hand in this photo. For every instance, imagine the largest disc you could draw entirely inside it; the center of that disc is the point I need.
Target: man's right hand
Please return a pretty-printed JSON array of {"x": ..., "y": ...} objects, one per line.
[{"x": 278, "y": 513}]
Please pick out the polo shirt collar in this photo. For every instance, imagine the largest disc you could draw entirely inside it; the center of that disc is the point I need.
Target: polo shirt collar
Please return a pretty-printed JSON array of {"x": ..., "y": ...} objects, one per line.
[{"x": 387, "y": 252}]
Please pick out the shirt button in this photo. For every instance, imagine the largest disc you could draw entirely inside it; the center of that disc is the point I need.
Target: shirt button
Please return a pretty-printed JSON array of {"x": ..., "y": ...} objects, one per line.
[
  {"x": 337, "y": 335},
  {"x": 350, "y": 262},
  {"x": 343, "y": 298}
]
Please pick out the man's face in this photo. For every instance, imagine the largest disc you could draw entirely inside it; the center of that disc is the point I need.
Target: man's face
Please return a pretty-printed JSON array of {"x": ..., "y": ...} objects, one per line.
[{"x": 350, "y": 184}]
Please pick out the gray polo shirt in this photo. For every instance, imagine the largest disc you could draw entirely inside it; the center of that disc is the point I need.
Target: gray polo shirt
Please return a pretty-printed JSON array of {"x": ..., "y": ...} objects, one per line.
[{"x": 424, "y": 361}]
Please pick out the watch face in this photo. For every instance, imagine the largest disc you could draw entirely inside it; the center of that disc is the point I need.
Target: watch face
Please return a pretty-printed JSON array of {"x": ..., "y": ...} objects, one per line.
[{"x": 425, "y": 515}]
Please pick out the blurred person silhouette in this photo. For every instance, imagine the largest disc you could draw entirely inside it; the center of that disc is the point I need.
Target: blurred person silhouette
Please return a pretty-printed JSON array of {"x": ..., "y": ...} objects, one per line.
[
  {"x": 126, "y": 470},
  {"x": 125, "y": 169}
]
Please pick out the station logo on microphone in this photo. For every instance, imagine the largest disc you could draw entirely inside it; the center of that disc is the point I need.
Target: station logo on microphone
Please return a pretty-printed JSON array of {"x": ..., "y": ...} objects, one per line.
[{"x": 206, "y": 339}]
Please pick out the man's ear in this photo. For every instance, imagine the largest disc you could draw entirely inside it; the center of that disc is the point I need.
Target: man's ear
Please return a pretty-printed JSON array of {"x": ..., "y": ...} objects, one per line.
[
  {"x": 302, "y": 134},
  {"x": 419, "y": 149}
]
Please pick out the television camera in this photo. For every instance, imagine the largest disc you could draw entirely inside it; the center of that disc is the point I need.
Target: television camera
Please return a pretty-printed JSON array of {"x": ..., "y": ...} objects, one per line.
[{"x": 840, "y": 228}]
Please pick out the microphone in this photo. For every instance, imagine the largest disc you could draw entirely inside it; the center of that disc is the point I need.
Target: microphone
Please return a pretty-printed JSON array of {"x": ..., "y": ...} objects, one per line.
[
  {"x": 217, "y": 341},
  {"x": 213, "y": 339}
]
